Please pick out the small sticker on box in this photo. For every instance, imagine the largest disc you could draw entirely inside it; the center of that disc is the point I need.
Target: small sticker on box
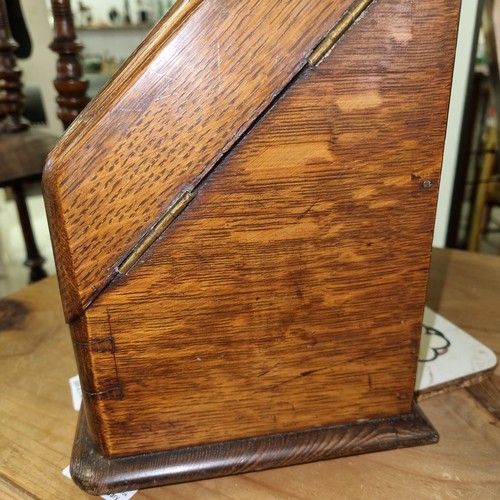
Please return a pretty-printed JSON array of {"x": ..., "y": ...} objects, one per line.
[
  {"x": 112, "y": 496},
  {"x": 76, "y": 392}
]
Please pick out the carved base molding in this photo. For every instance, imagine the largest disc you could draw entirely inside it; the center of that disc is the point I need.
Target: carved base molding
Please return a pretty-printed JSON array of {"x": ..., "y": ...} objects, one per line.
[{"x": 99, "y": 475}]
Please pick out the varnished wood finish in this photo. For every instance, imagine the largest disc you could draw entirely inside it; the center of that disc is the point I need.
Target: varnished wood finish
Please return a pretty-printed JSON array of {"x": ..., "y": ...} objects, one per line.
[
  {"x": 302, "y": 255},
  {"x": 98, "y": 475},
  {"x": 70, "y": 85},
  {"x": 245, "y": 258},
  {"x": 11, "y": 97},
  {"x": 197, "y": 83},
  {"x": 348, "y": 19},
  {"x": 38, "y": 422}
]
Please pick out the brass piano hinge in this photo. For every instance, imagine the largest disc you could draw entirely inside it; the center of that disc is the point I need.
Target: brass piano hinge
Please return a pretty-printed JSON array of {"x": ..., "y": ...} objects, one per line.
[
  {"x": 348, "y": 18},
  {"x": 155, "y": 232}
]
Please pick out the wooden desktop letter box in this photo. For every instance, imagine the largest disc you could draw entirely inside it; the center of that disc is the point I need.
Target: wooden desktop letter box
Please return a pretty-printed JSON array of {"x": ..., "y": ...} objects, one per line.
[{"x": 242, "y": 223}]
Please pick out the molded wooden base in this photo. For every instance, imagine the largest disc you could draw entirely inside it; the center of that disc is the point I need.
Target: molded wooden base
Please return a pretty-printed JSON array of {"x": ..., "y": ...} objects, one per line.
[{"x": 98, "y": 475}]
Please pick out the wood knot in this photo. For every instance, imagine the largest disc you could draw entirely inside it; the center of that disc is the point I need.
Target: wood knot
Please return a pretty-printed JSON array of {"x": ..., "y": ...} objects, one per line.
[{"x": 12, "y": 314}]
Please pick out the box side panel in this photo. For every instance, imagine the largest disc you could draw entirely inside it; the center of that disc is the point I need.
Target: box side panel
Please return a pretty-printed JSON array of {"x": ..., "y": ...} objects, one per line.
[
  {"x": 289, "y": 294},
  {"x": 190, "y": 94}
]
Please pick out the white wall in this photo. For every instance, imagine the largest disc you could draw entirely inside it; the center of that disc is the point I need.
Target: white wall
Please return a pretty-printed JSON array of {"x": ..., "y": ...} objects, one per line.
[
  {"x": 116, "y": 43},
  {"x": 100, "y": 10},
  {"x": 464, "y": 54}
]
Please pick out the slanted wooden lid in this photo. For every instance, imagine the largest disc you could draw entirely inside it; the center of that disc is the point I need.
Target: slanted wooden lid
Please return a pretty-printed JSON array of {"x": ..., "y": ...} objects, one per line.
[{"x": 191, "y": 90}]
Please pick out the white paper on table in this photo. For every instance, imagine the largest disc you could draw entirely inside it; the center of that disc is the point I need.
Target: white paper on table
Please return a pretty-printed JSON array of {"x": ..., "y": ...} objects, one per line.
[{"x": 461, "y": 359}]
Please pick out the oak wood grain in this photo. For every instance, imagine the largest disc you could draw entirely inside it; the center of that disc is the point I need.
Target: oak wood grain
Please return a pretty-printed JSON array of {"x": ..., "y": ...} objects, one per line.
[
  {"x": 195, "y": 85},
  {"x": 96, "y": 474},
  {"x": 38, "y": 423},
  {"x": 303, "y": 255}
]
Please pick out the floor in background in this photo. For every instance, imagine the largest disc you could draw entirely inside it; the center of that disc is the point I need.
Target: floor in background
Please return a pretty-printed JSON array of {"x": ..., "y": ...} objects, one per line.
[{"x": 13, "y": 274}]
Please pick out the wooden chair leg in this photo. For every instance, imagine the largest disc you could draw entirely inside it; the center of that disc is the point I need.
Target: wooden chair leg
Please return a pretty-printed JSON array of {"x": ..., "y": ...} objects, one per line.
[{"x": 34, "y": 260}]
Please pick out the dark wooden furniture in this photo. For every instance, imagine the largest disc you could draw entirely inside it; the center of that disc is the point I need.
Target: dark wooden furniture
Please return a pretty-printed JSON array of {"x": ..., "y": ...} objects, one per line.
[
  {"x": 38, "y": 421},
  {"x": 242, "y": 223},
  {"x": 23, "y": 150}
]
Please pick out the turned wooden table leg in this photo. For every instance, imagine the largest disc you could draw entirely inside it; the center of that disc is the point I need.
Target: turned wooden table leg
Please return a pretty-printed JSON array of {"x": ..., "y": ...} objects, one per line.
[
  {"x": 12, "y": 99},
  {"x": 33, "y": 258},
  {"x": 70, "y": 86}
]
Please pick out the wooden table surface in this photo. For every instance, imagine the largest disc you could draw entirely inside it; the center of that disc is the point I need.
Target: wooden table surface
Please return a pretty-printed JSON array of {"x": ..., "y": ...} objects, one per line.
[{"x": 37, "y": 422}]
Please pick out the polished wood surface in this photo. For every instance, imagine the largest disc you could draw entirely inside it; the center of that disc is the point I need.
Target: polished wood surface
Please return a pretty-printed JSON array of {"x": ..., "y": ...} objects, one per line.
[
  {"x": 247, "y": 249},
  {"x": 38, "y": 421},
  {"x": 96, "y": 474},
  {"x": 305, "y": 251},
  {"x": 196, "y": 84}
]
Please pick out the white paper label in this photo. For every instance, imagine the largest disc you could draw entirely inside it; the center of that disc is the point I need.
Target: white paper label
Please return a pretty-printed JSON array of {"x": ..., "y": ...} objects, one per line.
[
  {"x": 76, "y": 392},
  {"x": 120, "y": 496},
  {"x": 448, "y": 353},
  {"x": 112, "y": 496}
]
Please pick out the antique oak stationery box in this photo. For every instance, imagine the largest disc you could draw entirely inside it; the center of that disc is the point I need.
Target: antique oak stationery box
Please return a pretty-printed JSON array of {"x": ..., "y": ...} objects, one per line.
[{"x": 242, "y": 224}]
